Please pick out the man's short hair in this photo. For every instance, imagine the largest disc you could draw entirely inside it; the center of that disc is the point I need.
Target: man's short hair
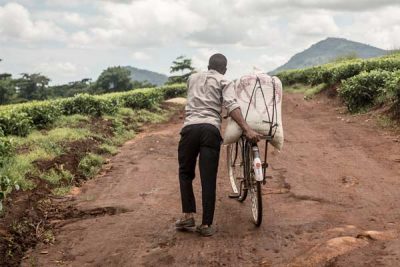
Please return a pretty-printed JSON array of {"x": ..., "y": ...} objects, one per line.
[{"x": 218, "y": 62}]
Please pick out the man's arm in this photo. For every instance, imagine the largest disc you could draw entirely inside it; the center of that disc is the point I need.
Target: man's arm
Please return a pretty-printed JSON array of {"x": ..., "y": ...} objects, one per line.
[{"x": 250, "y": 134}]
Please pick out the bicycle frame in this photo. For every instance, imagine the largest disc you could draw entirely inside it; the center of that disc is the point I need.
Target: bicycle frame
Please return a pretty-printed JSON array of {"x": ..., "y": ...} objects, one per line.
[{"x": 244, "y": 143}]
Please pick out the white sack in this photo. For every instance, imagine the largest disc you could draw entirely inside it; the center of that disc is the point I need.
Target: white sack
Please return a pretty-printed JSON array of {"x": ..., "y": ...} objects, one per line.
[{"x": 257, "y": 113}]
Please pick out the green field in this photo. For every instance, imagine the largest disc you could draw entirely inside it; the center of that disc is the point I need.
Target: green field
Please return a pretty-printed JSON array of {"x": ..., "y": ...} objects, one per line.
[
  {"x": 361, "y": 84},
  {"x": 60, "y": 142}
]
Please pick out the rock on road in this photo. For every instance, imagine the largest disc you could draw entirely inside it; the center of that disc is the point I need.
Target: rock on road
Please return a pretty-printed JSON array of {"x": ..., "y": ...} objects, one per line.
[{"x": 333, "y": 201}]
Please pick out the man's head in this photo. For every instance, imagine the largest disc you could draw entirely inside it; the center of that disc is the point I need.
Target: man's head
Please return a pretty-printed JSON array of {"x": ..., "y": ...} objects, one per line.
[{"x": 218, "y": 62}]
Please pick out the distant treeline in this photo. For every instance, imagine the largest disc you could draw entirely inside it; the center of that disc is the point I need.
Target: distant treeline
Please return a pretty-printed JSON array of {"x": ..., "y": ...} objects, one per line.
[{"x": 36, "y": 86}]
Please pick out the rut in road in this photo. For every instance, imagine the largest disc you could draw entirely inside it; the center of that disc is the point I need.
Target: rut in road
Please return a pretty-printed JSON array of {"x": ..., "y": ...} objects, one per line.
[{"x": 333, "y": 200}]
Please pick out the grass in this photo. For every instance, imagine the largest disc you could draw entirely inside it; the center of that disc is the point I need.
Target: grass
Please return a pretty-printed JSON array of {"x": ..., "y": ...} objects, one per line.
[
  {"x": 17, "y": 167},
  {"x": 108, "y": 149},
  {"x": 55, "y": 177},
  {"x": 308, "y": 91},
  {"x": 122, "y": 138},
  {"x": 48, "y": 144},
  {"x": 61, "y": 191},
  {"x": 144, "y": 116},
  {"x": 72, "y": 121},
  {"x": 37, "y": 146},
  {"x": 44, "y": 139},
  {"x": 90, "y": 165},
  {"x": 385, "y": 121}
]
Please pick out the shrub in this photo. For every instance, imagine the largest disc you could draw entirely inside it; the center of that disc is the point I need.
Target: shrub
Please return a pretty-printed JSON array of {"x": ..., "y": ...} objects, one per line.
[
  {"x": 43, "y": 113},
  {"x": 143, "y": 99},
  {"x": 15, "y": 122},
  {"x": 6, "y": 149},
  {"x": 20, "y": 119},
  {"x": 333, "y": 73},
  {"x": 175, "y": 90},
  {"x": 88, "y": 105},
  {"x": 362, "y": 90}
]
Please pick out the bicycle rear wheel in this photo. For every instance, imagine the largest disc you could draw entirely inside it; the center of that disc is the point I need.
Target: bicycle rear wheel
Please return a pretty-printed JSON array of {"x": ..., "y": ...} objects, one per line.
[
  {"x": 236, "y": 170},
  {"x": 254, "y": 188}
]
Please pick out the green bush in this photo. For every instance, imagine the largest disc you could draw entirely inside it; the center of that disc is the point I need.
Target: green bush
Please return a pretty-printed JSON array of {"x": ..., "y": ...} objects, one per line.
[
  {"x": 362, "y": 90},
  {"x": 20, "y": 119},
  {"x": 6, "y": 149},
  {"x": 88, "y": 105},
  {"x": 175, "y": 90},
  {"x": 333, "y": 73},
  {"x": 143, "y": 99},
  {"x": 15, "y": 122},
  {"x": 43, "y": 113}
]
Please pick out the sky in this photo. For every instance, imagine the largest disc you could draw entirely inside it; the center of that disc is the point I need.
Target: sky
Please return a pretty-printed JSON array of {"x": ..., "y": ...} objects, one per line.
[{"x": 68, "y": 40}]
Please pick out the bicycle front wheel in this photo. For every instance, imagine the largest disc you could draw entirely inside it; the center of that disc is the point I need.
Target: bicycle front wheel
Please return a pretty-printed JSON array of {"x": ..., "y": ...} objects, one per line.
[
  {"x": 254, "y": 187},
  {"x": 256, "y": 202},
  {"x": 236, "y": 170}
]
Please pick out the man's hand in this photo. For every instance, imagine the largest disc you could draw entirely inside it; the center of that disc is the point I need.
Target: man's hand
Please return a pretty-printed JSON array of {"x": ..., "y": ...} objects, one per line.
[{"x": 252, "y": 135}]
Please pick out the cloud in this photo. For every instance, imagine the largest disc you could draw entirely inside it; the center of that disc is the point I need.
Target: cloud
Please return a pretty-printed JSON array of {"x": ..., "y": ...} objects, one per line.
[
  {"x": 270, "y": 6},
  {"x": 380, "y": 28},
  {"x": 152, "y": 33},
  {"x": 74, "y": 19},
  {"x": 146, "y": 22},
  {"x": 80, "y": 39},
  {"x": 201, "y": 57},
  {"x": 141, "y": 56},
  {"x": 64, "y": 69},
  {"x": 16, "y": 24},
  {"x": 314, "y": 23}
]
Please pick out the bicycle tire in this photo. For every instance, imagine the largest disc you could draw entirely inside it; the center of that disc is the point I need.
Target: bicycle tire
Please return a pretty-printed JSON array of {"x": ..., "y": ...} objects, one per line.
[
  {"x": 254, "y": 187},
  {"x": 257, "y": 210},
  {"x": 235, "y": 168}
]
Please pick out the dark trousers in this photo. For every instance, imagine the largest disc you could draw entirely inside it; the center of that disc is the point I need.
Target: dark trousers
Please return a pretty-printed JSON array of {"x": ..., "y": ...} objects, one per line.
[{"x": 204, "y": 139}]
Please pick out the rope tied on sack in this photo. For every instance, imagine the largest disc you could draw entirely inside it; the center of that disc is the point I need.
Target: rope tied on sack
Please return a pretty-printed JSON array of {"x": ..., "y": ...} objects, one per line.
[{"x": 257, "y": 86}]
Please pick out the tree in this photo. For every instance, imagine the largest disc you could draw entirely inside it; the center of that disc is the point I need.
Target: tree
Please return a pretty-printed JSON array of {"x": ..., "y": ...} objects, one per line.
[
  {"x": 113, "y": 79},
  {"x": 144, "y": 84},
  {"x": 7, "y": 88},
  {"x": 32, "y": 86},
  {"x": 70, "y": 89},
  {"x": 183, "y": 66}
]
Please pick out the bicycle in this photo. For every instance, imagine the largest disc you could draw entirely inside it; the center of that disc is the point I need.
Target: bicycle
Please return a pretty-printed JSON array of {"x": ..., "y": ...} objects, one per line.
[
  {"x": 241, "y": 170},
  {"x": 246, "y": 170}
]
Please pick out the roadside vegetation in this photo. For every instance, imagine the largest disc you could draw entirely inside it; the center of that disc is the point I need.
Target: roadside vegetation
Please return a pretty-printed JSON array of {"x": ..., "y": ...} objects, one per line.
[
  {"x": 361, "y": 84},
  {"x": 49, "y": 147},
  {"x": 35, "y": 136},
  {"x": 37, "y": 86}
]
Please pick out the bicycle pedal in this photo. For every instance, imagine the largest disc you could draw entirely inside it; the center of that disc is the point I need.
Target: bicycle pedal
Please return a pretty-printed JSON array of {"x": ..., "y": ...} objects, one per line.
[
  {"x": 268, "y": 177},
  {"x": 265, "y": 165}
]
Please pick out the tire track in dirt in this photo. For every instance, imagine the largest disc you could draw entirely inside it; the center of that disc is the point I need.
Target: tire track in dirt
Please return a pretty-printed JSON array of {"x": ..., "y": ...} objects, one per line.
[{"x": 335, "y": 179}]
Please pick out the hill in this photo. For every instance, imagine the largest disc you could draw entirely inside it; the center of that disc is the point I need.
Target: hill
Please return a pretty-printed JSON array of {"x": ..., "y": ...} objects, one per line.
[
  {"x": 146, "y": 75},
  {"x": 327, "y": 50}
]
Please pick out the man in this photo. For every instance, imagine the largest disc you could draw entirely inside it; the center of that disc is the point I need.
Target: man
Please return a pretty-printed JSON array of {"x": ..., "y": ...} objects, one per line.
[{"x": 208, "y": 92}]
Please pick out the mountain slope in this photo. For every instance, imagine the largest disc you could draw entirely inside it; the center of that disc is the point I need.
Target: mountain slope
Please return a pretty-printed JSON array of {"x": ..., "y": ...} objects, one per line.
[
  {"x": 327, "y": 50},
  {"x": 146, "y": 75}
]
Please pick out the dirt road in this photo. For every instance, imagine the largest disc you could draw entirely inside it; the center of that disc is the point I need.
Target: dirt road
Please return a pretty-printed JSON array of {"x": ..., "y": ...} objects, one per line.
[{"x": 333, "y": 201}]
